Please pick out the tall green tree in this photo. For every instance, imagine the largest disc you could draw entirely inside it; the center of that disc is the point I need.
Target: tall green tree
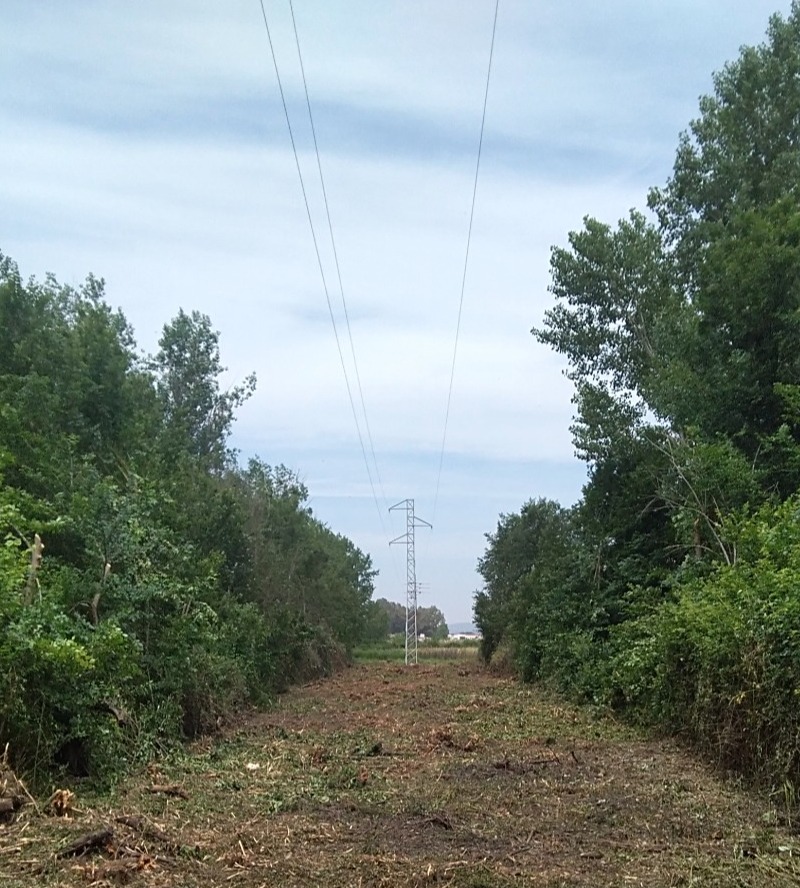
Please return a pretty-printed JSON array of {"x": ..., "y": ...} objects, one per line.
[
  {"x": 198, "y": 413},
  {"x": 174, "y": 584},
  {"x": 681, "y": 330},
  {"x": 525, "y": 544}
]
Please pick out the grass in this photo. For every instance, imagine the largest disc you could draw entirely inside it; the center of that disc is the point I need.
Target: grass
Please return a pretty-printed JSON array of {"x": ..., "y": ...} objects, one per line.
[
  {"x": 439, "y": 775},
  {"x": 428, "y": 651}
]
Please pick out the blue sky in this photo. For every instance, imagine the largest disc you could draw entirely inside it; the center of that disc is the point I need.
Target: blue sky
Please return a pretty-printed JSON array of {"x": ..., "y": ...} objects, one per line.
[{"x": 145, "y": 143}]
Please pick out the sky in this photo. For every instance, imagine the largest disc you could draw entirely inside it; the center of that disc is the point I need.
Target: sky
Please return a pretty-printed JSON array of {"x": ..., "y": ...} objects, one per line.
[{"x": 146, "y": 143}]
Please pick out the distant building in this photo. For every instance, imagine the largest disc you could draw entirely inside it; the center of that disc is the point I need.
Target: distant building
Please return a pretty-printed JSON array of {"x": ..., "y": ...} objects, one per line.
[{"x": 464, "y": 636}]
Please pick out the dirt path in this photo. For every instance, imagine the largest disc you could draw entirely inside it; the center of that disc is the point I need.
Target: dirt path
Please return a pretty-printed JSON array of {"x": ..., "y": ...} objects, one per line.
[{"x": 436, "y": 776}]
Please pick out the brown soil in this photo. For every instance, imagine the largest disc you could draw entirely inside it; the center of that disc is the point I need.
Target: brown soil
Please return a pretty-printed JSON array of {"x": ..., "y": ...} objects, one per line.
[{"x": 439, "y": 775}]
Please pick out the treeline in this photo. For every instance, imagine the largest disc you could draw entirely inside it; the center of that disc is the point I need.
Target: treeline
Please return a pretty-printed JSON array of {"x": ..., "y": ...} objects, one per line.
[
  {"x": 672, "y": 589},
  {"x": 389, "y": 618},
  {"x": 148, "y": 583}
]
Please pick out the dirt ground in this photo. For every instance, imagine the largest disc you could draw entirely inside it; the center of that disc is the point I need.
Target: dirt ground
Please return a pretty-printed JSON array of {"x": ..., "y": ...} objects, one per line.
[{"x": 438, "y": 775}]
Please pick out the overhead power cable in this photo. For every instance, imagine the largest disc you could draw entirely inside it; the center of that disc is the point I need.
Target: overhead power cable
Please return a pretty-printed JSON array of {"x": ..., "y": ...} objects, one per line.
[
  {"x": 336, "y": 258},
  {"x": 319, "y": 262},
  {"x": 466, "y": 261},
  {"x": 339, "y": 277}
]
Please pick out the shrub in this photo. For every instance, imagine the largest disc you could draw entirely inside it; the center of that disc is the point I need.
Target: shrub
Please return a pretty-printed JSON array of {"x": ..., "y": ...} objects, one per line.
[
  {"x": 721, "y": 664},
  {"x": 60, "y": 684}
]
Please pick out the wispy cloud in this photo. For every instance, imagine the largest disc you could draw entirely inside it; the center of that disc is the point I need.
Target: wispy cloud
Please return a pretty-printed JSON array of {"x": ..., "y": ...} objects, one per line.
[{"x": 146, "y": 143}]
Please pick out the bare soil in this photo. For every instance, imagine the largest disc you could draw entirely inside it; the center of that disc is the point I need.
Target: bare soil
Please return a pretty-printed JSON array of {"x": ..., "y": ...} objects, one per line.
[{"x": 436, "y": 775}]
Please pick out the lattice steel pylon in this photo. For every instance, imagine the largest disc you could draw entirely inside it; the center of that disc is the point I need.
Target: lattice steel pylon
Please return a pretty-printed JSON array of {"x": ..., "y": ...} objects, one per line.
[{"x": 412, "y": 522}]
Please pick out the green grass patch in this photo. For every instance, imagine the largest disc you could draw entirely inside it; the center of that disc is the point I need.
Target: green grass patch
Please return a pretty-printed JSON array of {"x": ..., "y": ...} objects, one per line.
[{"x": 428, "y": 651}]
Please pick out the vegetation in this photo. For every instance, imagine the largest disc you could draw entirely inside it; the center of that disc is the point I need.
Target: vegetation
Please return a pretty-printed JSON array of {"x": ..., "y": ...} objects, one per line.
[
  {"x": 672, "y": 589},
  {"x": 430, "y": 650},
  {"x": 148, "y": 583},
  {"x": 389, "y": 618},
  {"x": 443, "y": 775}
]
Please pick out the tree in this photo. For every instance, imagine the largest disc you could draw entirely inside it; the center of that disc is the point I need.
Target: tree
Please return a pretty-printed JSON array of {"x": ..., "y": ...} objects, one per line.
[
  {"x": 615, "y": 319},
  {"x": 692, "y": 320},
  {"x": 743, "y": 351},
  {"x": 174, "y": 585},
  {"x": 730, "y": 218},
  {"x": 299, "y": 563},
  {"x": 525, "y": 544},
  {"x": 395, "y": 616},
  {"x": 430, "y": 620},
  {"x": 198, "y": 414},
  {"x": 742, "y": 152},
  {"x": 69, "y": 381},
  {"x": 431, "y": 623},
  {"x": 376, "y": 624},
  {"x": 681, "y": 331}
]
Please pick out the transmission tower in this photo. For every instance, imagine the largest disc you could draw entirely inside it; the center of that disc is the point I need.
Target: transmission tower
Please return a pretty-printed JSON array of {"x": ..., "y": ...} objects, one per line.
[{"x": 407, "y": 539}]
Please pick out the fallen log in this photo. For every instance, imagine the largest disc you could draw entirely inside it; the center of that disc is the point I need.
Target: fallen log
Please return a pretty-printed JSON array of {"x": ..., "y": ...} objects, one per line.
[{"x": 87, "y": 843}]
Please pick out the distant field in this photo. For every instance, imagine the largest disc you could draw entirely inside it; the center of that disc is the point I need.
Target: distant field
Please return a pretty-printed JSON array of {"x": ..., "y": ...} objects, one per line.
[{"x": 428, "y": 652}]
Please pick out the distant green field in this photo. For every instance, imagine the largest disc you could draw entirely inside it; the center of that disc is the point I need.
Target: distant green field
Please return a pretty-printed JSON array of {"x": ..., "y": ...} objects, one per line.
[{"x": 394, "y": 651}]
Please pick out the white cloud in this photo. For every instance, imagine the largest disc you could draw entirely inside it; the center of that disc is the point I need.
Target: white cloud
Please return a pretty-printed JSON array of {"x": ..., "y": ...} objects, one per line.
[{"x": 145, "y": 143}]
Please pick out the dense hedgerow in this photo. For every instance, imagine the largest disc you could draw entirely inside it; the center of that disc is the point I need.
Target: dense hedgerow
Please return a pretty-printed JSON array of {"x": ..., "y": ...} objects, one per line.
[
  {"x": 671, "y": 590},
  {"x": 149, "y": 585},
  {"x": 720, "y": 664}
]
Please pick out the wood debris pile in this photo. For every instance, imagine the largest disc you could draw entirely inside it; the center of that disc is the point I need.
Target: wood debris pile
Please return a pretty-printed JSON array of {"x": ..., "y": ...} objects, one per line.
[{"x": 13, "y": 793}]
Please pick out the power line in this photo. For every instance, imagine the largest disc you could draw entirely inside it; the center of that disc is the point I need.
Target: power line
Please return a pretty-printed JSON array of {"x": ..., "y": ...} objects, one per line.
[
  {"x": 338, "y": 270},
  {"x": 336, "y": 255},
  {"x": 466, "y": 260},
  {"x": 319, "y": 261}
]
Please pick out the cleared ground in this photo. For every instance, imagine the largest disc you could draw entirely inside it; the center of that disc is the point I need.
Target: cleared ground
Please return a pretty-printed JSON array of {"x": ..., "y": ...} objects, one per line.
[{"x": 439, "y": 775}]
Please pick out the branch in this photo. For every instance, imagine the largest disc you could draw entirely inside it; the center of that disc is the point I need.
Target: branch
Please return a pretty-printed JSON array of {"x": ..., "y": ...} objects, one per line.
[
  {"x": 699, "y": 507},
  {"x": 36, "y": 562},
  {"x": 86, "y": 843}
]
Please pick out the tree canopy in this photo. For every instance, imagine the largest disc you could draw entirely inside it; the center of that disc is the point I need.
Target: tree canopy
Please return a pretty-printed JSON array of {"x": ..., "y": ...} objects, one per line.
[
  {"x": 149, "y": 583},
  {"x": 660, "y": 590},
  {"x": 430, "y": 620}
]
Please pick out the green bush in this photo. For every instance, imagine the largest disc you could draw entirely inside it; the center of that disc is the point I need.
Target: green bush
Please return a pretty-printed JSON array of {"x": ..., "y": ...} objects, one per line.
[
  {"x": 175, "y": 584},
  {"x": 60, "y": 682},
  {"x": 721, "y": 664}
]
